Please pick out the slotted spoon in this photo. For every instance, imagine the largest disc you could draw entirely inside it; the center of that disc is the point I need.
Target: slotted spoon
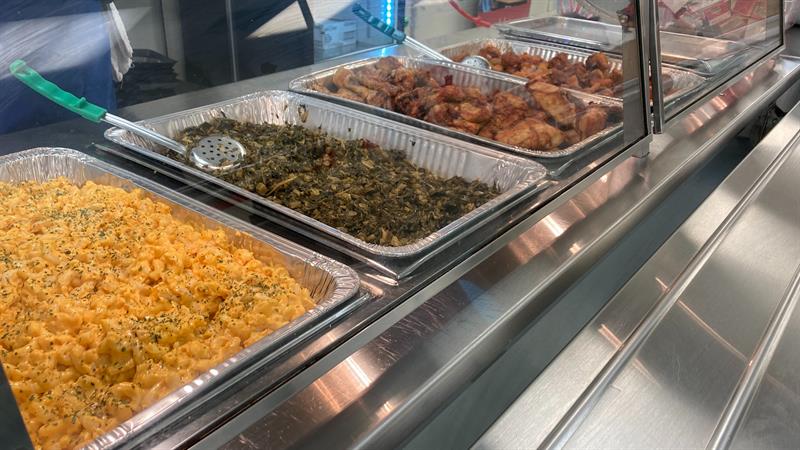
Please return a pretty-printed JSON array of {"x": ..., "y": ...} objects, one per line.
[{"x": 214, "y": 153}]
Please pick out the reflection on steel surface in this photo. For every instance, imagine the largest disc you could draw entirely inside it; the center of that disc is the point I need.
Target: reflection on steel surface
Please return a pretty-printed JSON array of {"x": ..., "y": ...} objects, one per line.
[
  {"x": 727, "y": 303},
  {"x": 609, "y": 335},
  {"x": 556, "y": 229},
  {"x": 536, "y": 412},
  {"x": 710, "y": 330},
  {"x": 598, "y": 407}
]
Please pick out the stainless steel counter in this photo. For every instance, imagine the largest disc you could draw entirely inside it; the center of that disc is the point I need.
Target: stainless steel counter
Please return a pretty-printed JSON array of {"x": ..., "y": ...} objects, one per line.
[
  {"x": 393, "y": 377},
  {"x": 390, "y": 362},
  {"x": 699, "y": 348}
]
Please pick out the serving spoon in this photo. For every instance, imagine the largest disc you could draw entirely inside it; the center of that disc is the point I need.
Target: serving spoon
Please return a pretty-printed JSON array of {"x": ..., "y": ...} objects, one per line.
[
  {"x": 215, "y": 152},
  {"x": 402, "y": 38}
]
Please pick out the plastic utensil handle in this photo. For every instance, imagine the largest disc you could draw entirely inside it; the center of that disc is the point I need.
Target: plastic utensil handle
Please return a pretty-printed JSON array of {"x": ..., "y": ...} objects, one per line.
[
  {"x": 378, "y": 24},
  {"x": 52, "y": 92}
]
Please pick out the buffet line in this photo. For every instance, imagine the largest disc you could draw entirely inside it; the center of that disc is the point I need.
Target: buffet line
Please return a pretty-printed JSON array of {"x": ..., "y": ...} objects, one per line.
[{"x": 384, "y": 159}]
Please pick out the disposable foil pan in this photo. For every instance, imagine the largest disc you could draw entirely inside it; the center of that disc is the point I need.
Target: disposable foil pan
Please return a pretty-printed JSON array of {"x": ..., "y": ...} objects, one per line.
[
  {"x": 515, "y": 177},
  {"x": 329, "y": 282},
  {"x": 487, "y": 81},
  {"x": 589, "y": 34},
  {"x": 761, "y": 32},
  {"x": 684, "y": 82},
  {"x": 707, "y": 56}
]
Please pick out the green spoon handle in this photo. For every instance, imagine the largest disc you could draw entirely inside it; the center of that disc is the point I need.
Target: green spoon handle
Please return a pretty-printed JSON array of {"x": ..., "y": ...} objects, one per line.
[
  {"x": 54, "y": 93},
  {"x": 84, "y": 108}
]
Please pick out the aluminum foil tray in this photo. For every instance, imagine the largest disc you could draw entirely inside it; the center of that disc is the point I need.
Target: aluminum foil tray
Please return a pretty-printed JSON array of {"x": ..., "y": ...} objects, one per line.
[
  {"x": 487, "y": 81},
  {"x": 515, "y": 177},
  {"x": 706, "y": 56},
  {"x": 684, "y": 82},
  {"x": 329, "y": 282},
  {"x": 589, "y": 34}
]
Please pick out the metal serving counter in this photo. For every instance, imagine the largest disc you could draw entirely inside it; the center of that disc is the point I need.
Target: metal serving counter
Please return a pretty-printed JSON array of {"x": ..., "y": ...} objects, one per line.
[
  {"x": 395, "y": 358},
  {"x": 699, "y": 348}
]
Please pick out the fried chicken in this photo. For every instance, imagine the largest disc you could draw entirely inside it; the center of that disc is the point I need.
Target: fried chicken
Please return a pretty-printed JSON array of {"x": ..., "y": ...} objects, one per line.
[
  {"x": 542, "y": 117},
  {"x": 461, "y": 108},
  {"x": 388, "y": 64},
  {"x": 590, "y": 121},
  {"x": 595, "y": 75},
  {"x": 533, "y": 134},
  {"x": 345, "y": 79},
  {"x": 508, "y": 109},
  {"x": 554, "y": 102},
  {"x": 598, "y": 61}
]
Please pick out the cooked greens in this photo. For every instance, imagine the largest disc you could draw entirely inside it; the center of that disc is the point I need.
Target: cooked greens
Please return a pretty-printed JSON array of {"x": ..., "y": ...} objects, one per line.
[{"x": 372, "y": 193}]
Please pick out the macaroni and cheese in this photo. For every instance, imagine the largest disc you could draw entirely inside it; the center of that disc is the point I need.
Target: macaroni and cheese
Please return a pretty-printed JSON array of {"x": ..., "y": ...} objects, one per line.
[{"x": 108, "y": 303}]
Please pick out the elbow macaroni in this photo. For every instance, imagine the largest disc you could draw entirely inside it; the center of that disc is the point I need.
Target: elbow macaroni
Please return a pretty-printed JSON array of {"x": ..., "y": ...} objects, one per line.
[{"x": 108, "y": 303}]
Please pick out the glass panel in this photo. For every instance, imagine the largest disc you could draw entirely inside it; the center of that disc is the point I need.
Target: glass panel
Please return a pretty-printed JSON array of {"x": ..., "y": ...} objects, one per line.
[
  {"x": 706, "y": 42},
  {"x": 128, "y": 52}
]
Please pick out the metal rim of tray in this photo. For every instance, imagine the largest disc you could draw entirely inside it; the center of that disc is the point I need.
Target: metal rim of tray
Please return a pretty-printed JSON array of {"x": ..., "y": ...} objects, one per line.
[
  {"x": 516, "y": 28},
  {"x": 346, "y": 281},
  {"x": 300, "y": 85},
  {"x": 436, "y": 240}
]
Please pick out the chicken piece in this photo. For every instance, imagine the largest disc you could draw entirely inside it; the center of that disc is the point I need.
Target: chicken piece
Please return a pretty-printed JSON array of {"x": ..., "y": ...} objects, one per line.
[
  {"x": 320, "y": 87},
  {"x": 531, "y": 60},
  {"x": 342, "y": 77},
  {"x": 554, "y": 102},
  {"x": 560, "y": 61},
  {"x": 598, "y": 61},
  {"x": 388, "y": 64},
  {"x": 596, "y": 75},
  {"x": 582, "y": 75},
  {"x": 533, "y": 134},
  {"x": 540, "y": 72},
  {"x": 603, "y": 84},
  {"x": 490, "y": 52},
  {"x": 573, "y": 83},
  {"x": 475, "y": 94},
  {"x": 510, "y": 61},
  {"x": 452, "y": 93},
  {"x": 377, "y": 80},
  {"x": 423, "y": 78},
  {"x": 380, "y": 99},
  {"x": 488, "y": 131},
  {"x": 616, "y": 76},
  {"x": 349, "y": 95},
  {"x": 346, "y": 79},
  {"x": 412, "y": 103},
  {"x": 465, "y": 125},
  {"x": 508, "y": 109},
  {"x": 591, "y": 121},
  {"x": 339, "y": 92},
  {"x": 539, "y": 115},
  {"x": 571, "y": 137},
  {"x": 475, "y": 112},
  {"x": 560, "y": 76},
  {"x": 404, "y": 78},
  {"x": 442, "y": 114}
]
